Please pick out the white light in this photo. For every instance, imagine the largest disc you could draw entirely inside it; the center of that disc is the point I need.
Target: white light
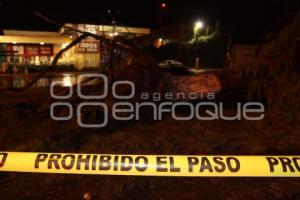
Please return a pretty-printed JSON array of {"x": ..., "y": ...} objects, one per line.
[
  {"x": 113, "y": 34},
  {"x": 42, "y": 43},
  {"x": 14, "y": 42},
  {"x": 64, "y": 45},
  {"x": 160, "y": 40},
  {"x": 67, "y": 81},
  {"x": 199, "y": 25}
]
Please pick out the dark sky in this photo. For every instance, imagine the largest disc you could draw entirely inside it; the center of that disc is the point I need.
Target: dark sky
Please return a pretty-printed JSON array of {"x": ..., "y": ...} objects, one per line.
[{"x": 245, "y": 19}]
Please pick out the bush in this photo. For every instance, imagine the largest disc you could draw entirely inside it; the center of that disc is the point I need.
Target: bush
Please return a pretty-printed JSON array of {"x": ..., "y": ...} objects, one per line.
[
  {"x": 274, "y": 76},
  {"x": 212, "y": 53},
  {"x": 40, "y": 68}
]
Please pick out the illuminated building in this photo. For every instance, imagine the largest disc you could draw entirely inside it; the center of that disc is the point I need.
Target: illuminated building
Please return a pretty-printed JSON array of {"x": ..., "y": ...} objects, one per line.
[{"x": 38, "y": 48}]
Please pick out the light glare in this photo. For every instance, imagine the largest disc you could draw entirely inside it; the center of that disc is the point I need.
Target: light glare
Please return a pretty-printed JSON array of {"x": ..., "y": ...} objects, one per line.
[{"x": 199, "y": 25}]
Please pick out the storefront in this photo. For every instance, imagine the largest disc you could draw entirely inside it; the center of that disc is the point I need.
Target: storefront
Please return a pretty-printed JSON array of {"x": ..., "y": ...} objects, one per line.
[
  {"x": 39, "y": 48},
  {"x": 38, "y": 54},
  {"x": 31, "y": 47}
]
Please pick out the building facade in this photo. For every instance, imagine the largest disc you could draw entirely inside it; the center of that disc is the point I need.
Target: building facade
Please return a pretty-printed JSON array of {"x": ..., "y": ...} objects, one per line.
[{"x": 39, "y": 48}]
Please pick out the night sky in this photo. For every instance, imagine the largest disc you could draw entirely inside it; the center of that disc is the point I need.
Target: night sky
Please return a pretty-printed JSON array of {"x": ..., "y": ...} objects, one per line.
[{"x": 246, "y": 20}]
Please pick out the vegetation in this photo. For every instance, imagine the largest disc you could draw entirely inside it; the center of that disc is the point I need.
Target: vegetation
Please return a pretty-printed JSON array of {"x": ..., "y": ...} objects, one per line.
[
  {"x": 274, "y": 76},
  {"x": 210, "y": 48},
  {"x": 271, "y": 78},
  {"x": 21, "y": 68}
]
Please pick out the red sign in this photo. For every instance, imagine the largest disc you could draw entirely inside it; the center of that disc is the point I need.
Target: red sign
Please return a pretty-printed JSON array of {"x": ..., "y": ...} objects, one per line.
[
  {"x": 38, "y": 50},
  {"x": 31, "y": 50},
  {"x": 46, "y": 50}
]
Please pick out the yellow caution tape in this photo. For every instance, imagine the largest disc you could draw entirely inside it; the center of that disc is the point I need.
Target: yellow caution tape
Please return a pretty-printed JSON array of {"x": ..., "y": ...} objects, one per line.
[{"x": 151, "y": 165}]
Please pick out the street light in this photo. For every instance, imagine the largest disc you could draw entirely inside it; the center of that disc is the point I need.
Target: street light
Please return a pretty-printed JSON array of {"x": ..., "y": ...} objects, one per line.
[{"x": 198, "y": 25}]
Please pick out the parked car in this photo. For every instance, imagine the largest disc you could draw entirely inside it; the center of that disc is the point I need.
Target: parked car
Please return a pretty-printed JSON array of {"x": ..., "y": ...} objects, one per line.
[{"x": 170, "y": 63}]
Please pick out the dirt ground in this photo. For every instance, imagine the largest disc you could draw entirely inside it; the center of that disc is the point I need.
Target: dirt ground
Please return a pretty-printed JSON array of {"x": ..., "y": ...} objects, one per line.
[{"x": 24, "y": 129}]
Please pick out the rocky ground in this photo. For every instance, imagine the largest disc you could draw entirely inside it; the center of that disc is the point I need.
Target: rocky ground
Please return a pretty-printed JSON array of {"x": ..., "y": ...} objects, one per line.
[{"x": 24, "y": 129}]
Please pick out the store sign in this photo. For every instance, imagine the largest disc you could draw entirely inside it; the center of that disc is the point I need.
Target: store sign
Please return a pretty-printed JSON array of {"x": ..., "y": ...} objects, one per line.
[
  {"x": 19, "y": 50},
  {"x": 31, "y": 50},
  {"x": 88, "y": 46},
  {"x": 88, "y": 28},
  {"x": 34, "y": 50},
  {"x": 46, "y": 50},
  {"x": 27, "y": 50}
]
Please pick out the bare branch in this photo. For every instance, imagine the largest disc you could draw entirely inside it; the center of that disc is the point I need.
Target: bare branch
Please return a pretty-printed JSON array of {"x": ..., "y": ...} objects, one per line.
[
  {"x": 118, "y": 44},
  {"x": 54, "y": 62},
  {"x": 119, "y": 41},
  {"x": 38, "y": 14}
]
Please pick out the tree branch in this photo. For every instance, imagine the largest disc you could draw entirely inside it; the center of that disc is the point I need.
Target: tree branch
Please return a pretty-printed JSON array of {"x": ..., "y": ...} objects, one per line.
[{"x": 84, "y": 35}]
